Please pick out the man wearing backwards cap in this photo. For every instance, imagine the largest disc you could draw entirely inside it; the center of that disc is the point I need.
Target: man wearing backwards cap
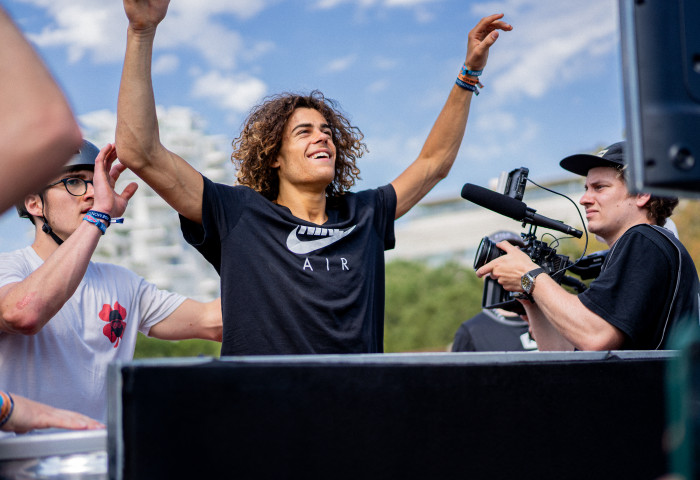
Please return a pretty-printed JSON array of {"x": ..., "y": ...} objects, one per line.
[
  {"x": 63, "y": 318},
  {"x": 648, "y": 282}
]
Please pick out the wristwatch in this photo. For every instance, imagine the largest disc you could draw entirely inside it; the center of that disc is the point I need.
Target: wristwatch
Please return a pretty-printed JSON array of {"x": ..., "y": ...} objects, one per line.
[{"x": 527, "y": 281}]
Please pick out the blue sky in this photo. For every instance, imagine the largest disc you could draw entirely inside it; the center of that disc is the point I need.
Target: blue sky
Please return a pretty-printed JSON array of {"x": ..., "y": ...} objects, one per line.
[{"x": 552, "y": 86}]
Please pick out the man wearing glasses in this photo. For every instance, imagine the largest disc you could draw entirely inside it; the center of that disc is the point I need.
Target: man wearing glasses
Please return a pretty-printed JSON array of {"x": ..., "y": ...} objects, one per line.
[{"x": 63, "y": 318}]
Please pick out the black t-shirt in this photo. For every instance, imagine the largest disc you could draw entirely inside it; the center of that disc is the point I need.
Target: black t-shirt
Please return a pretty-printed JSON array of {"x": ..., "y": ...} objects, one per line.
[
  {"x": 488, "y": 331},
  {"x": 292, "y": 287},
  {"x": 647, "y": 286}
]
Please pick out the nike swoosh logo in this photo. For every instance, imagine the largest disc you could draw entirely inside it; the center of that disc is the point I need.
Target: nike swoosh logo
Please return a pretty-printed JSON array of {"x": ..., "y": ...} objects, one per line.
[{"x": 301, "y": 247}]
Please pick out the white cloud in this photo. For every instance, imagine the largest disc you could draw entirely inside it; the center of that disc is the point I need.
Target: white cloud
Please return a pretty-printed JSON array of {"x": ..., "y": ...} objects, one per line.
[
  {"x": 97, "y": 27},
  {"x": 340, "y": 64},
  {"x": 84, "y": 27},
  {"x": 385, "y": 63},
  {"x": 364, "y": 4},
  {"x": 165, "y": 64},
  {"x": 406, "y": 3},
  {"x": 552, "y": 42},
  {"x": 236, "y": 92},
  {"x": 379, "y": 86}
]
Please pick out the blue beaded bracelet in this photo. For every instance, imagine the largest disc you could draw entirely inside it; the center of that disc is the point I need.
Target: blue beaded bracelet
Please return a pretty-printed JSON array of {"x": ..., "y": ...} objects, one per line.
[{"x": 96, "y": 222}]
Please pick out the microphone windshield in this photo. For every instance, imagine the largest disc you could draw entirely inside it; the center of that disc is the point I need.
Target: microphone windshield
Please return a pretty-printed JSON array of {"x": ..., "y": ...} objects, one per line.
[{"x": 496, "y": 202}]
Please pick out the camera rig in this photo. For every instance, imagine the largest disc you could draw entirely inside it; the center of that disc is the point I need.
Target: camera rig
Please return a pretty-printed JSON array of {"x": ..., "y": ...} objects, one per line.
[{"x": 543, "y": 254}]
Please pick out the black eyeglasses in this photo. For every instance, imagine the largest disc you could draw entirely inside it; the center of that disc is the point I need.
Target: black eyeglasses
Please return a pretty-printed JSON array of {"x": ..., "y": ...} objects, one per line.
[{"x": 74, "y": 185}]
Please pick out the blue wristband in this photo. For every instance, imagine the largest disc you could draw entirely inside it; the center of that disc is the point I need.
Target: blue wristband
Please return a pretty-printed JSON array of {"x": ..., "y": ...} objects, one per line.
[
  {"x": 473, "y": 73},
  {"x": 96, "y": 222},
  {"x": 100, "y": 215},
  {"x": 466, "y": 86},
  {"x": 105, "y": 217}
]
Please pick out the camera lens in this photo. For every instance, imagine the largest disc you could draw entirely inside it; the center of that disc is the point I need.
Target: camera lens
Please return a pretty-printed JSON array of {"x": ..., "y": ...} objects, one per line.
[{"x": 483, "y": 253}]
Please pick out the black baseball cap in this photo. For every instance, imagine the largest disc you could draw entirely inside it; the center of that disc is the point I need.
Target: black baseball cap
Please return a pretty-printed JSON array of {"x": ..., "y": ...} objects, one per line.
[{"x": 612, "y": 156}]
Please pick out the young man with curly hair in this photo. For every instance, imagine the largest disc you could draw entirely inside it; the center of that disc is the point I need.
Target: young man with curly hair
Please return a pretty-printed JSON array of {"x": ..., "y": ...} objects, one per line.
[
  {"x": 648, "y": 283},
  {"x": 301, "y": 259}
]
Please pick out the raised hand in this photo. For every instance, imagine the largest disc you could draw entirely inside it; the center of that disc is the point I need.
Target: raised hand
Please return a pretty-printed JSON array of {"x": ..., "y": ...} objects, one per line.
[
  {"x": 107, "y": 200},
  {"x": 481, "y": 37},
  {"x": 145, "y": 14}
]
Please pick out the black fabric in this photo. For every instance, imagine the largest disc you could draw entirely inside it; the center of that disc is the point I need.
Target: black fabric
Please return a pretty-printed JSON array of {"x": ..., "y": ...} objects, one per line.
[
  {"x": 488, "y": 332},
  {"x": 275, "y": 301},
  {"x": 636, "y": 289}
]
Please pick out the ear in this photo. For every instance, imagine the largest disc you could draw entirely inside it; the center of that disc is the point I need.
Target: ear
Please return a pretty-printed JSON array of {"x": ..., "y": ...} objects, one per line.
[
  {"x": 33, "y": 204},
  {"x": 275, "y": 163},
  {"x": 643, "y": 199}
]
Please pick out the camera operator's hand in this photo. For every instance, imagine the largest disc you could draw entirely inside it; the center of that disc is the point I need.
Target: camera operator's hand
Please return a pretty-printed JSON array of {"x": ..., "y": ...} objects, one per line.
[{"x": 509, "y": 268}]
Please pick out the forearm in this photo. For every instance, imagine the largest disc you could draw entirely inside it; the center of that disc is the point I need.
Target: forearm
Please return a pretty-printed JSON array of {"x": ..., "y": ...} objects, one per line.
[
  {"x": 438, "y": 153},
  {"x": 544, "y": 333},
  {"x": 31, "y": 103},
  {"x": 577, "y": 324},
  {"x": 137, "y": 135},
  {"x": 192, "y": 319},
  {"x": 26, "y": 306}
]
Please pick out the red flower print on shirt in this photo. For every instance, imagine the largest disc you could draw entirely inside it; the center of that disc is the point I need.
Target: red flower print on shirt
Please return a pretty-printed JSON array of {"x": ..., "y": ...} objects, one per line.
[{"x": 117, "y": 322}]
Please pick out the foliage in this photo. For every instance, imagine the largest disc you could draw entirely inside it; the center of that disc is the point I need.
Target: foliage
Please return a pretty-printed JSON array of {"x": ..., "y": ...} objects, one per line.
[
  {"x": 685, "y": 217},
  {"x": 426, "y": 304},
  {"x": 147, "y": 347}
]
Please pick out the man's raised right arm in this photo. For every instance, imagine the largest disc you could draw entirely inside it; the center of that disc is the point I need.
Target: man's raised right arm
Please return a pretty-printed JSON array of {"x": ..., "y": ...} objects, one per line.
[{"x": 137, "y": 137}]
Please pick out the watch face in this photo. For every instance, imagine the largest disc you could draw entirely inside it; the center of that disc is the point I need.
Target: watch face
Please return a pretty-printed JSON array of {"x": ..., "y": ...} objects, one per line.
[{"x": 526, "y": 283}]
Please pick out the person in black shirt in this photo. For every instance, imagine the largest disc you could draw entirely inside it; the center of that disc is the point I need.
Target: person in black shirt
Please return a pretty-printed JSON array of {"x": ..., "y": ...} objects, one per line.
[
  {"x": 300, "y": 258},
  {"x": 648, "y": 283}
]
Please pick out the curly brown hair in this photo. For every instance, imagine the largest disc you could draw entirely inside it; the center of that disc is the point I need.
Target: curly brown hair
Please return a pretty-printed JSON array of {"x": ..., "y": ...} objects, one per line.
[{"x": 259, "y": 143}]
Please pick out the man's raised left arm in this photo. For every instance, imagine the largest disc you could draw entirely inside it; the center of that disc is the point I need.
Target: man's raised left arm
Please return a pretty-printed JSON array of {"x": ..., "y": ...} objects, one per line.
[{"x": 441, "y": 147}]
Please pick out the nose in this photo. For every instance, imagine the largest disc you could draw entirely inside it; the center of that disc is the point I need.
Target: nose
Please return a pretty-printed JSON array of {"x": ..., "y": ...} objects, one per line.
[
  {"x": 322, "y": 136},
  {"x": 586, "y": 199},
  {"x": 89, "y": 189}
]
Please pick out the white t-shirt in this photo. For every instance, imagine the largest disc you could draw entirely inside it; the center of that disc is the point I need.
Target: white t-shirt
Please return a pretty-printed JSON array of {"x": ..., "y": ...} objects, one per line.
[{"x": 65, "y": 364}]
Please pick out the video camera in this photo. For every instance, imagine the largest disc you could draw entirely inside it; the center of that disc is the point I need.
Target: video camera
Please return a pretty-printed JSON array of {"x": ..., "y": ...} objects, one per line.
[{"x": 509, "y": 203}]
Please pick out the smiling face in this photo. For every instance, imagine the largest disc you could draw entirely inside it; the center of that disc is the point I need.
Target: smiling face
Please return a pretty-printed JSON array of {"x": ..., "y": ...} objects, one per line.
[
  {"x": 306, "y": 160},
  {"x": 610, "y": 209}
]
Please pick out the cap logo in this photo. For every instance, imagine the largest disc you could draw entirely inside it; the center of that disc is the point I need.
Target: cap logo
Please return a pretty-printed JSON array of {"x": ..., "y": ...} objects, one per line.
[{"x": 602, "y": 153}]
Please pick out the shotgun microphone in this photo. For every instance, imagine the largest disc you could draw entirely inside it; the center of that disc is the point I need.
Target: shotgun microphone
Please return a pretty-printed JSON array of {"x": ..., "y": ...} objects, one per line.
[{"x": 512, "y": 208}]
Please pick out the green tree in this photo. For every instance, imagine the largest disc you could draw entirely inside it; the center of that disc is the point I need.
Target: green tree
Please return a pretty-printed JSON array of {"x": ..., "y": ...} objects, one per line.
[
  {"x": 147, "y": 347},
  {"x": 686, "y": 217},
  {"x": 426, "y": 304}
]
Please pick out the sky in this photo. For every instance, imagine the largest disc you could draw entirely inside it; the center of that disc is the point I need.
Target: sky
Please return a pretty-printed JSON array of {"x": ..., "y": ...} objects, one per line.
[{"x": 553, "y": 85}]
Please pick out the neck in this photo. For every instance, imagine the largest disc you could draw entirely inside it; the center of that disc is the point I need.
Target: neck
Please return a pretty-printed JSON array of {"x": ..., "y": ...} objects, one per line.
[
  {"x": 306, "y": 205},
  {"x": 43, "y": 244}
]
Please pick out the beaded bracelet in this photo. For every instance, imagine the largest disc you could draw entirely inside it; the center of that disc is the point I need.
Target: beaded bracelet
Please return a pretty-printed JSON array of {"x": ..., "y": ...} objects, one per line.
[
  {"x": 7, "y": 406},
  {"x": 96, "y": 222}
]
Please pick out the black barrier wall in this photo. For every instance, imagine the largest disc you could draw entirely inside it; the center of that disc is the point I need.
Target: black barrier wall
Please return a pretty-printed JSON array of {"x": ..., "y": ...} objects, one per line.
[{"x": 512, "y": 416}]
